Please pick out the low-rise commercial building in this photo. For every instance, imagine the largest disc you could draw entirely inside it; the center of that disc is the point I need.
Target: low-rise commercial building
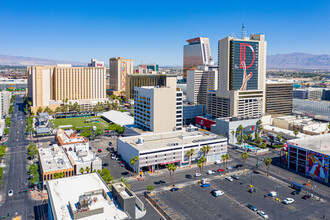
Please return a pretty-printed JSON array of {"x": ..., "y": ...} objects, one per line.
[
  {"x": 82, "y": 197},
  {"x": 13, "y": 84},
  {"x": 155, "y": 151},
  {"x": 117, "y": 117},
  {"x": 54, "y": 163},
  {"x": 310, "y": 156},
  {"x": 70, "y": 141}
]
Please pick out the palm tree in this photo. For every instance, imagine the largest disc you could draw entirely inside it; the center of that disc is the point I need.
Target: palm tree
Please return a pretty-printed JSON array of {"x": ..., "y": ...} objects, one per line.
[
  {"x": 188, "y": 154},
  {"x": 279, "y": 137},
  {"x": 125, "y": 182},
  {"x": 227, "y": 158},
  {"x": 260, "y": 128},
  {"x": 132, "y": 162},
  {"x": 200, "y": 164},
  {"x": 173, "y": 168},
  {"x": 268, "y": 161},
  {"x": 169, "y": 168},
  {"x": 192, "y": 151},
  {"x": 263, "y": 144},
  {"x": 87, "y": 169},
  {"x": 245, "y": 137},
  {"x": 249, "y": 136},
  {"x": 295, "y": 132},
  {"x": 244, "y": 156},
  {"x": 204, "y": 150},
  {"x": 233, "y": 133},
  {"x": 202, "y": 160},
  {"x": 82, "y": 170},
  {"x": 208, "y": 148},
  {"x": 136, "y": 158},
  {"x": 223, "y": 161}
]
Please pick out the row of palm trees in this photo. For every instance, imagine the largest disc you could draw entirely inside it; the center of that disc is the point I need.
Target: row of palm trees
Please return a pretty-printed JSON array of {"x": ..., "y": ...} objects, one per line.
[{"x": 244, "y": 137}]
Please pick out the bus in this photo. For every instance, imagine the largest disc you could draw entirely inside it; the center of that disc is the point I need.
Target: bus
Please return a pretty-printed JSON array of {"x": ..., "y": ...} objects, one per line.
[{"x": 297, "y": 186}]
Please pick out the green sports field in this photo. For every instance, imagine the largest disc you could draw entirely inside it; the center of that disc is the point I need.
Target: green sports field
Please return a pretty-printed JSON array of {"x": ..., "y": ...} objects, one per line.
[{"x": 79, "y": 123}]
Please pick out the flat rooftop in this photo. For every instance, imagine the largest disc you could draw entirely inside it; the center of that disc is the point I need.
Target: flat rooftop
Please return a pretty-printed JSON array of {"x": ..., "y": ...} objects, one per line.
[
  {"x": 318, "y": 143},
  {"x": 117, "y": 117},
  {"x": 167, "y": 140},
  {"x": 52, "y": 160},
  {"x": 65, "y": 190}
]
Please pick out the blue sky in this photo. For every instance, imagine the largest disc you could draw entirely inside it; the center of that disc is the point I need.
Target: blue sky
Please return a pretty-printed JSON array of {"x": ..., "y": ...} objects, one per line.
[{"x": 155, "y": 31}]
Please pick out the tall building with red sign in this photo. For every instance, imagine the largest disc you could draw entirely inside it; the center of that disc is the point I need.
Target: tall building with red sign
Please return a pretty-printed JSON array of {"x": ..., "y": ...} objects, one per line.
[{"x": 242, "y": 73}]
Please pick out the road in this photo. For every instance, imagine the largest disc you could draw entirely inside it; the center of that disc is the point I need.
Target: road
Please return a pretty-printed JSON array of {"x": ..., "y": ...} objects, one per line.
[{"x": 19, "y": 204}]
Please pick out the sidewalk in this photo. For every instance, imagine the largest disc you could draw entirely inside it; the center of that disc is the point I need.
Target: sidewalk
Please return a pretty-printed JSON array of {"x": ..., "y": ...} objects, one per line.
[{"x": 39, "y": 195}]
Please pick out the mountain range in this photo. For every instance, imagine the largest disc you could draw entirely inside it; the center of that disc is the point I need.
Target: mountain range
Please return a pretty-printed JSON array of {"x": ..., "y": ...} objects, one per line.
[{"x": 278, "y": 61}]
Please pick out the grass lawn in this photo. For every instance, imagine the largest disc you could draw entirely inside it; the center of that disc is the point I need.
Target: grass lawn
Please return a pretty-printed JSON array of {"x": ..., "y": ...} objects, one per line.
[{"x": 80, "y": 122}]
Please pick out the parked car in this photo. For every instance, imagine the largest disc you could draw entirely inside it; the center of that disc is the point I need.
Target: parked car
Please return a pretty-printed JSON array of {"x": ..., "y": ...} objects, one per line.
[
  {"x": 108, "y": 148},
  {"x": 217, "y": 162},
  {"x": 113, "y": 157},
  {"x": 174, "y": 189},
  {"x": 122, "y": 164},
  {"x": 252, "y": 190},
  {"x": 273, "y": 194},
  {"x": 110, "y": 143},
  {"x": 253, "y": 208},
  {"x": 230, "y": 168},
  {"x": 188, "y": 176},
  {"x": 295, "y": 193},
  {"x": 262, "y": 214},
  {"x": 205, "y": 185},
  {"x": 238, "y": 165},
  {"x": 288, "y": 201},
  {"x": 197, "y": 174},
  {"x": 10, "y": 192},
  {"x": 105, "y": 164},
  {"x": 217, "y": 193},
  {"x": 235, "y": 177},
  {"x": 306, "y": 197},
  {"x": 220, "y": 170},
  {"x": 210, "y": 172},
  {"x": 229, "y": 178},
  {"x": 99, "y": 150}
]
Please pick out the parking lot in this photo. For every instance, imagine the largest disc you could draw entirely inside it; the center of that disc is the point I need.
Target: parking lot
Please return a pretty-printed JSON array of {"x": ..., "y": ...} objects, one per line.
[
  {"x": 116, "y": 170},
  {"x": 195, "y": 202}
]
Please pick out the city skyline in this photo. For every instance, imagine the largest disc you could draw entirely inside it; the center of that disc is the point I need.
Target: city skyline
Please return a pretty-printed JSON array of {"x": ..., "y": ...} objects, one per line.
[{"x": 155, "y": 33}]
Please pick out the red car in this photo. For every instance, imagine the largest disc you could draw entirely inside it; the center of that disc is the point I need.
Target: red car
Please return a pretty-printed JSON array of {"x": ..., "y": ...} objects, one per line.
[
  {"x": 221, "y": 170},
  {"x": 99, "y": 150}
]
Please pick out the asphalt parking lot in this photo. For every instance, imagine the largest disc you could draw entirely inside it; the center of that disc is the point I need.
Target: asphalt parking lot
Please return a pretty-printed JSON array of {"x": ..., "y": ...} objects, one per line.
[
  {"x": 116, "y": 170},
  {"x": 300, "y": 209},
  {"x": 195, "y": 202},
  {"x": 102, "y": 143}
]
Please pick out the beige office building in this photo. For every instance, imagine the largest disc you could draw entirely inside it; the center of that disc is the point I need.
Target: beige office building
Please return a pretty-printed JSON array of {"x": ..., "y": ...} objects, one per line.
[
  {"x": 158, "y": 109},
  {"x": 49, "y": 85},
  {"x": 139, "y": 80},
  {"x": 119, "y": 69},
  {"x": 242, "y": 72},
  {"x": 199, "y": 82}
]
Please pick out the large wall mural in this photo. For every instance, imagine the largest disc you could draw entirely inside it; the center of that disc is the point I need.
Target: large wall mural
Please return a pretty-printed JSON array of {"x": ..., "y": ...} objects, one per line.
[{"x": 317, "y": 166}]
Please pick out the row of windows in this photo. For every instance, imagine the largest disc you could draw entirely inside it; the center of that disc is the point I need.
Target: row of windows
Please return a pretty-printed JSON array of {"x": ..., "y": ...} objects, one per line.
[{"x": 51, "y": 176}]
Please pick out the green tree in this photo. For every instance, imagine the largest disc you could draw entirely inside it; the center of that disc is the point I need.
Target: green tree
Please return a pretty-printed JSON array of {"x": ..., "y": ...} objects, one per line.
[
  {"x": 188, "y": 154},
  {"x": 223, "y": 157},
  {"x": 150, "y": 188},
  {"x": 172, "y": 168},
  {"x": 8, "y": 122},
  {"x": 263, "y": 145},
  {"x": 233, "y": 134},
  {"x": 39, "y": 109},
  {"x": 6, "y": 131},
  {"x": 61, "y": 175},
  {"x": 86, "y": 133},
  {"x": 249, "y": 136},
  {"x": 200, "y": 165},
  {"x": 279, "y": 137},
  {"x": 295, "y": 132},
  {"x": 132, "y": 162},
  {"x": 239, "y": 139},
  {"x": 48, "y": 110},
  {"x": 87, "y": 169},
  {"x": 245, "y": 137},
  {"x": 58, "y": 109},
  {"x": 99, "y": 132},
  {"x": 82, "y": 170},
  {"x": 125, "y": 182},
  {"x": 244, "y": 156},
  {"x": 227, "y": 157},
  {"x": 202, "y": 160},
  {"x": 268, "y": 161},
  {"x": 258, "y": 140},
  {"x": 260, "y": 128}
]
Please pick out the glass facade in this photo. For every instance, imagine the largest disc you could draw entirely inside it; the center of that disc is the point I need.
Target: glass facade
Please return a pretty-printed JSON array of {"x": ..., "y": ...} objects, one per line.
[{"x": 243, "y": 52}]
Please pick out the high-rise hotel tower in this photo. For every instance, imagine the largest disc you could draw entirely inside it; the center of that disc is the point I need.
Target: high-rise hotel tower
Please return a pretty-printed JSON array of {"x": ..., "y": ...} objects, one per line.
[{"x": 242, "y": 72}]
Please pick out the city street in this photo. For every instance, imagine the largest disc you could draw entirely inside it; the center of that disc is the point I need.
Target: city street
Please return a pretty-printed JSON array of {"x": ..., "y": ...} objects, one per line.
[{"x": 19, "y": 204}]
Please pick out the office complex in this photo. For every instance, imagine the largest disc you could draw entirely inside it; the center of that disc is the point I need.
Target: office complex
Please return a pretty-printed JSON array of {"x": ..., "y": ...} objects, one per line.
[
  {"x": 155, "y": 151},
  {"x": 85, "y": 197},
  {"x": 196, "y": 53},
  {"x": 13, "y": 84},
  {"x": 300, "y": 94},
  {"x": 119, "y": 69},
  {"x": 310, "y": 156},
  {"x": 312, "y": 93},
  {"x": 5, "y": 97},
  {"x": 49, "y": 85},
  {"x": 139, "y": 80},
  {"x": 96, "y": 63},
  {"x": 279, "y": 98},
  {"x": 242, "y": 71},
  {"x": 199, "y": 82},
  {"x": 158, "y": 109}
]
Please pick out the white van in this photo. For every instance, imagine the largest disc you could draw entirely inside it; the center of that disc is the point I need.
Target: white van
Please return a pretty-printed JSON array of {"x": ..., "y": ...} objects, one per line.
[{"x": 273, "y": 193}]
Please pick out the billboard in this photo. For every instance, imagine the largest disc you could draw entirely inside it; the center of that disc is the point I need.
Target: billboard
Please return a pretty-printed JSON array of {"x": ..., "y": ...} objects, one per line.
[
  {"x": 317, "y": 166},
  {"x": 123, "y": 75},
  {"x": 204, "y": 122},
  {"x": 244, "y": 65}
]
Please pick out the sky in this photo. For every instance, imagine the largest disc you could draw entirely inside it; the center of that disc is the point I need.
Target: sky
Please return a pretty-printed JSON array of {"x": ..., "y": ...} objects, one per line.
[{"x": 155, "y": 31}]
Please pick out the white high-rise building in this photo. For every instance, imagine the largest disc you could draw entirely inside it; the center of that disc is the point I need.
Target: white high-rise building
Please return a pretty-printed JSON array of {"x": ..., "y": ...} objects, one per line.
[
  {"x": 5, "y": 97},
  {"x": 199, "y": 82},
  {"x": 158, "y": 109},
  {"x": 197, "y": 52},
  {"x": 242, "y": 72}
]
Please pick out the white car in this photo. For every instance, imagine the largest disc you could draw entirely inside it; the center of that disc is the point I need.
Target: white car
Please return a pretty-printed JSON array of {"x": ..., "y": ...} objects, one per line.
[
  {"x": 230, "y": 168},
  {"x": 262, "y": 214},
  {"x": 10, "y": 193},
  {"x": 229, "y": 178},
  {"x": 197, "y": 174},
  {"x": 288, "y": 201},
  {"x": 210, "y": 172},
  {"x": 273, "y": 193},
  {"x": 217, "y": 162}
]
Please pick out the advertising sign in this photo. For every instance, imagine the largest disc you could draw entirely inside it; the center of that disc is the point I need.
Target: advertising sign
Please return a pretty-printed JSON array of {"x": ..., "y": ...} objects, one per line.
[
  {"x": 317, "y": 166},
  {"x": 123, "y": 75},
  {"x": 244, "y": 65},
  {"x": 204, "y": 122}
]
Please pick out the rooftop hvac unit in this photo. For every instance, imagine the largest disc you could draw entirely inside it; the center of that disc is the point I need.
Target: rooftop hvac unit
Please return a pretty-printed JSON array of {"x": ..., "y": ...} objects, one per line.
[{"x": 140, "y": 140}]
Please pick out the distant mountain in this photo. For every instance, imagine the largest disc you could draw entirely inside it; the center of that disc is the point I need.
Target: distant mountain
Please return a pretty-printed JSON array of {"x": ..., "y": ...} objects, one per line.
[
  {"x": 26, "y": 61},
  {"x": 298, "y": 61}
]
